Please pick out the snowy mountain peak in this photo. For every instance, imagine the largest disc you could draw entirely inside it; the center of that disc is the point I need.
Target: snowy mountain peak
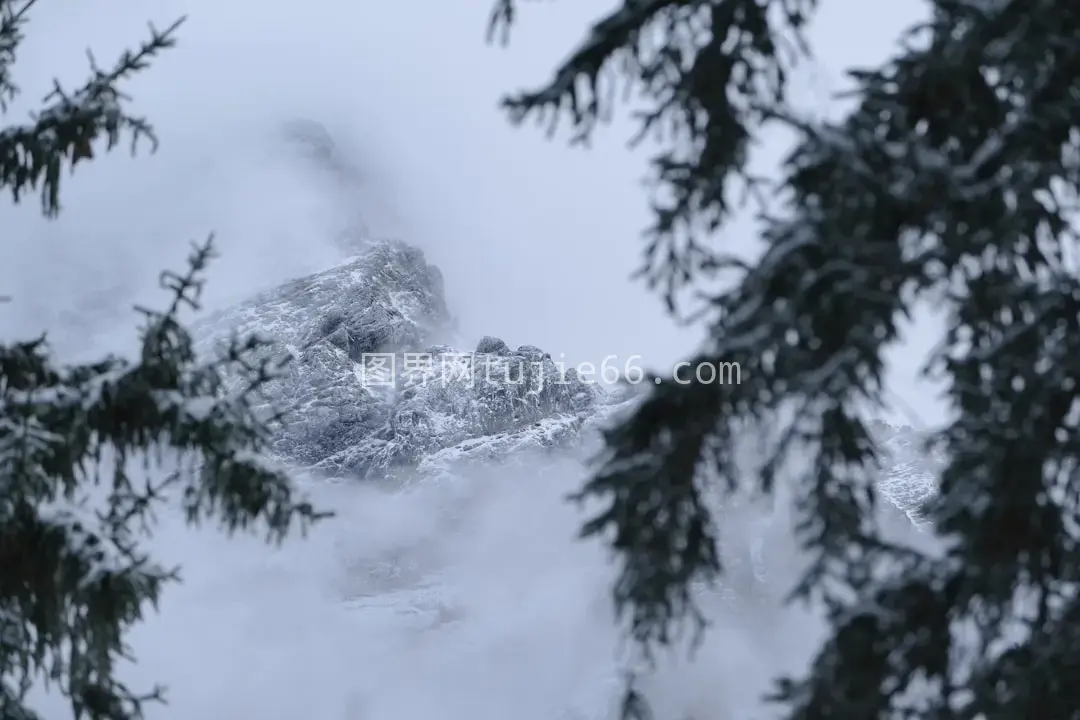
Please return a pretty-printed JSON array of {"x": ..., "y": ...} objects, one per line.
[
  {"x": 373, "y": 388},
  {"x": 385, "y": 299}
]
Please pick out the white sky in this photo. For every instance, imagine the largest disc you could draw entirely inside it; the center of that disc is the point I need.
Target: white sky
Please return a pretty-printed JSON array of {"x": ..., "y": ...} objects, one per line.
[{"x": 535, "y": 240}]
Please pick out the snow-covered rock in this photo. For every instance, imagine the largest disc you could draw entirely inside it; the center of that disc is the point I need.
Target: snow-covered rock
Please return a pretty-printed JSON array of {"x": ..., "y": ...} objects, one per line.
[
  {"x": 372, "y": 387},
  {"x": 385, "y": 299}
]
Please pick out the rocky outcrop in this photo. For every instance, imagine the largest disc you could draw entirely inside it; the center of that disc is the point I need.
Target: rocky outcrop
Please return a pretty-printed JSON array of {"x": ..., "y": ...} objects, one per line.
[{"x": 373, "y": 389}]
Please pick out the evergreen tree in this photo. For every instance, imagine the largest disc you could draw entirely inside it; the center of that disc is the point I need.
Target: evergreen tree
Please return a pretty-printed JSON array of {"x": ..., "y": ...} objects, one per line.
[
  {"x": 75, "y": 500},
  {"x": 952, "y": 179}
]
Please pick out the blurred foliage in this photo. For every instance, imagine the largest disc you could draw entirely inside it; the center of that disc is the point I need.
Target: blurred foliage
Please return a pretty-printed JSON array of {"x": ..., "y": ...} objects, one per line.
[
  {"x": 953, "y": 180},
  {"x": 88, "y": 452}
]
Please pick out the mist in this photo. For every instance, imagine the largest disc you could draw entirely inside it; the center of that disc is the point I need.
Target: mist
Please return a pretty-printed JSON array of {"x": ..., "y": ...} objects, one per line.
[
  {"x": 465, "y": 599},
  {"x": 536, "y": 242}
]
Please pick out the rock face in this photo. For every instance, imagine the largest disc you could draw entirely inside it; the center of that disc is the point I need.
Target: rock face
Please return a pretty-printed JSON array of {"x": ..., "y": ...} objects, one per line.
[
  {"x": 386, "y": 299},
  {"x": 373, "y": 389}
]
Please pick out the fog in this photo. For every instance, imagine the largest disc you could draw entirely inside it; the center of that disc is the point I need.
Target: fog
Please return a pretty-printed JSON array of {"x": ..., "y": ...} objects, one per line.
[
  {"x": 470, "y": 599},
  {"x": 536, "y": 242}
]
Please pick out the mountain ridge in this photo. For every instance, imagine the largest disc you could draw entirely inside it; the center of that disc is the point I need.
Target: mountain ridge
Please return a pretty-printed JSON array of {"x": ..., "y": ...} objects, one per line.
[{"x": 386, "y": 304}]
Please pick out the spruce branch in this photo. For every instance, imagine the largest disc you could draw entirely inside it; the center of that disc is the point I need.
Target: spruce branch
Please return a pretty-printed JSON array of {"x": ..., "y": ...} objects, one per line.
[{"x": 65, "y": 130}]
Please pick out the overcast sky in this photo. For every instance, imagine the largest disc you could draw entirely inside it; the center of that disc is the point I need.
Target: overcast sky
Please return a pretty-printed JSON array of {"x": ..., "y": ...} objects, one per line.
[{"x": 536, "y": 240}]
